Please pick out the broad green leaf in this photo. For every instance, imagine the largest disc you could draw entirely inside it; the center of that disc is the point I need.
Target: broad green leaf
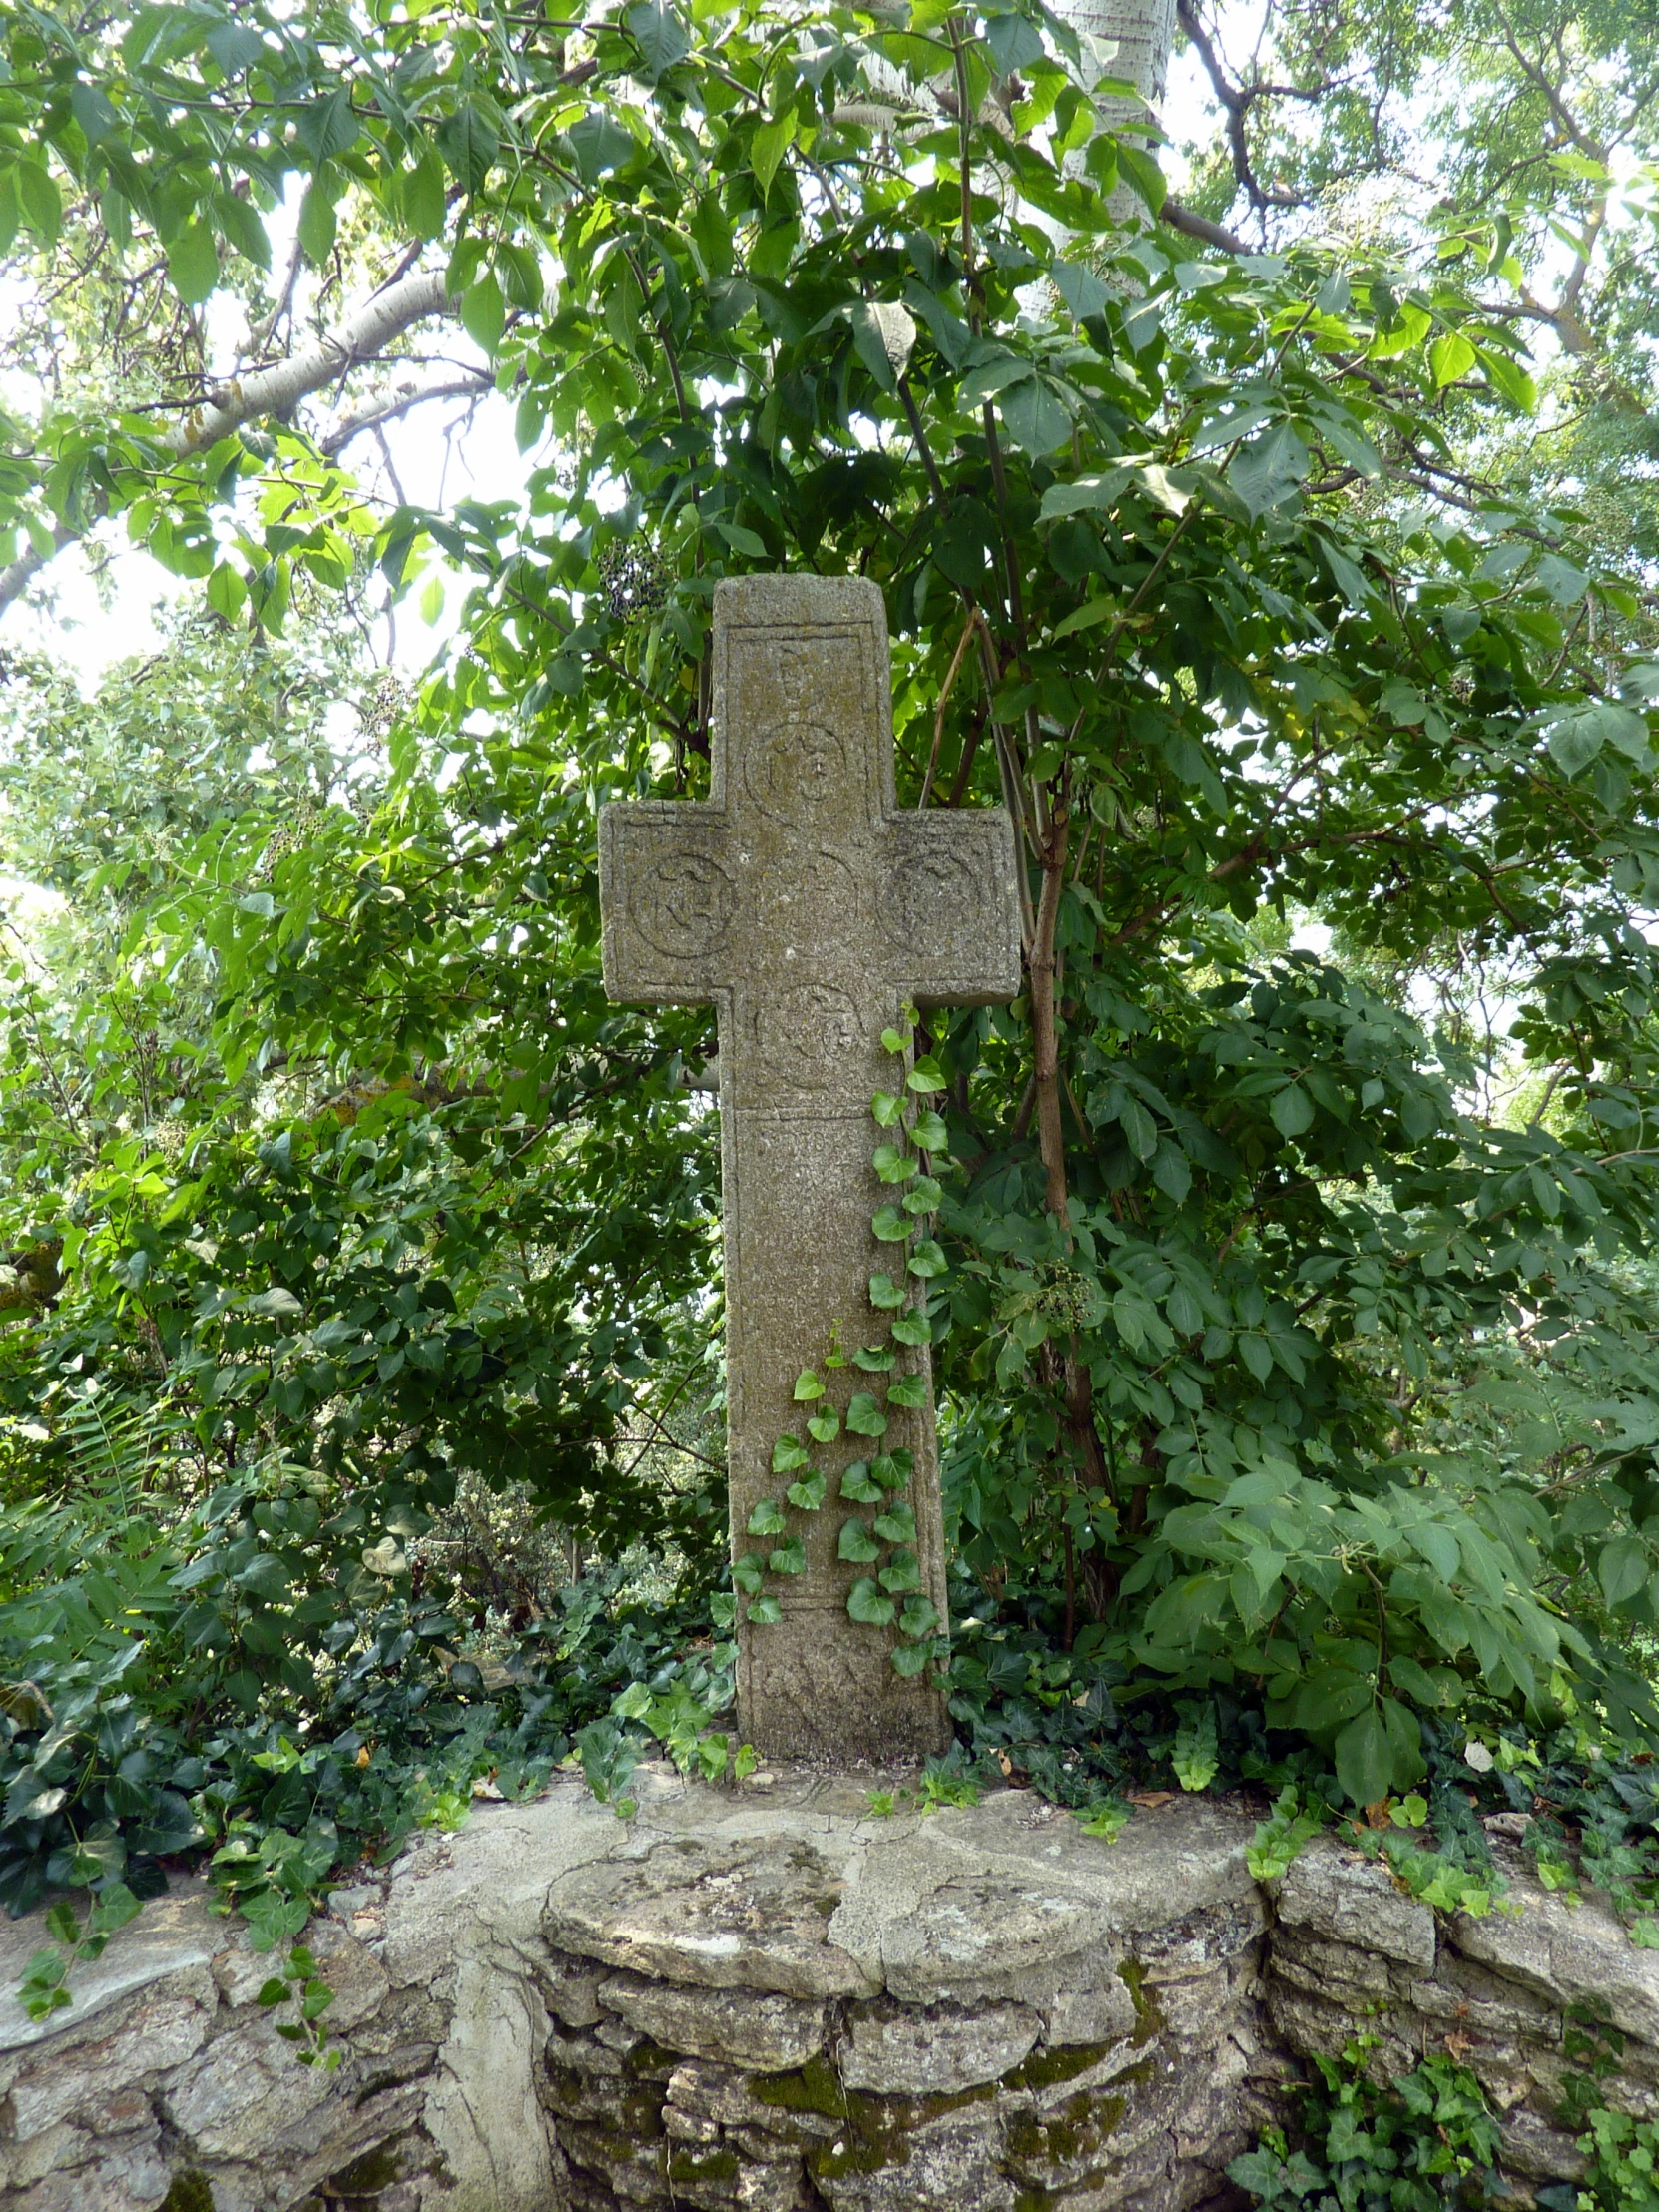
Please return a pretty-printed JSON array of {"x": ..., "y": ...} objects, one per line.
[
  {"x": 857, "y": 1543},
  {"x": 866, "y": 1604},
  {"x": 192, "y": 263}
]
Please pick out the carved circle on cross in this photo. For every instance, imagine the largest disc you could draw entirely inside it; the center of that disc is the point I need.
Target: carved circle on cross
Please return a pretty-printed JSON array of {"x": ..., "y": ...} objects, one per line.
[
  {"x": 804, "y": 1032},
  {"x": 938, "y": 896},
  {"x": 795, "y": 768},
  {"x": 684, "y": 905}
]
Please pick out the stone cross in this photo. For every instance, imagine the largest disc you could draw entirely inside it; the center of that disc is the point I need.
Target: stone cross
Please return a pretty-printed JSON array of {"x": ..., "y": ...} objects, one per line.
[{"x": 810, "y": 908}]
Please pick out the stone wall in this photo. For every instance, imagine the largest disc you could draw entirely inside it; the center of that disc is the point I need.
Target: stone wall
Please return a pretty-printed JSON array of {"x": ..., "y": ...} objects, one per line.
[{"x": 767, "y": 1998}]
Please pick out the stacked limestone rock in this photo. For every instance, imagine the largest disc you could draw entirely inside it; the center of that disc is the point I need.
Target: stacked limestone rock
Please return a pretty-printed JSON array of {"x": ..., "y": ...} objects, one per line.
[{"x": 768, "y": 1999}]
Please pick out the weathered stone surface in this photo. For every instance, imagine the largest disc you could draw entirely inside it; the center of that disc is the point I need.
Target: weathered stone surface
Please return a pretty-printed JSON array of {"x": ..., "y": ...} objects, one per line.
[
  {"x": 739, "y": 1915},
  {"x": 886, "y": 2034},
  {"x": 1354, "y": 1904},
  {"x": 808, "y": 907},
  {"x": 891, "y": 2048},
  {"x": 766, "y": 2034}
]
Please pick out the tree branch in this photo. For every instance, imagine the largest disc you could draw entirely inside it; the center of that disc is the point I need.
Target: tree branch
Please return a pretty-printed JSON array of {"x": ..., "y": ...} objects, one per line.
[
  {"x": 362, "y": 336},
  {"x": 377, "y": 414}
]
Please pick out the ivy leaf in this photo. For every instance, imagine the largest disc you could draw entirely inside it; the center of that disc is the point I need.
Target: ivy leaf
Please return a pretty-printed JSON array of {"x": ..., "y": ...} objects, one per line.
[
  {"x": 925, "y": 1197},
  {"x": 767, "y": 1519},
  {"x": 926, "y": 1075},
  {"x": 930, "y": 1133},
  {"x": 893, "y": 1470},
  {"x": 928, "y": 1260},
  {"x": 890, "y": 1226},
  {"x": 921, "y": 1617},
  {"x": 788, "y": 1454},
  {"x": 826, "y": 1426},
  {"x": 912, "y": 1328},
  {"x": 909, "y": 1659},
  {"x": 887, "y": 1110},
  {"x": 864, "y": 1417},
  {"x": 808, "y": 1386},
  {"x": 764, "y": 1612},
  {"x": 901, "y": 1573},
  {"x": 748, "y": 1573},
  {"x": 789, "y": 1558},
  {"x": 885, "y": 1294},
  {"x": 892, "y": 1165},
  {"x": 909, "y": 1390},
  {"x": 806, "y": 1495},
  {"x": 866, "y": 1603},
  {"x": 876, "y": 1358},
  {"x": 897, "y": 1525},
  {"x": 858, "y": 1487},
  {"x": 857, "y": 1543}
]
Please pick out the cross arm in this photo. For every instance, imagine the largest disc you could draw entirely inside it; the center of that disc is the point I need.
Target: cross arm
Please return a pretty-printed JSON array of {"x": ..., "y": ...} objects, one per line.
[
  {"x": 953, "y": 905},
  {"x": 668, "y": 900}
]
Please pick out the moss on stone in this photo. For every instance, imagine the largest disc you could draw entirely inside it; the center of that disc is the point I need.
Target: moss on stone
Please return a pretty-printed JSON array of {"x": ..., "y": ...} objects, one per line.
[
  {"x": 871, "y": 2132},
  {"x": 377, "y": 2169},
  {"x": 190, "y": 2191},
  {"x": 1045, "y": 2068},
  {"x": 712, "y": 2163},
  {"x": 1083, "y": 2126},
  {"x": 1149, "y": 2013}
]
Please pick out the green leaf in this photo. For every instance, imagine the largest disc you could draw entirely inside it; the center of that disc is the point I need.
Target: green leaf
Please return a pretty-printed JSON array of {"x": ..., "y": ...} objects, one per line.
[
  {"x": 192, "y": 263},
  {"x": 858, "y": 1487},
  {"x": 866, "y": 1603},
  {"x": 767, "y": 1519},
  {"x": 1266, "y": 472},
  {"x": 469, "y": 144},
  {"x": 927, "y": 1075},
  {"x": 329, "y": 127},
  {"x": 789, "y": 1558},
  {"x": 1291, "y": 1110},
  {"x": 884, "y": 1294},
  {"x": 891, "y": 1226},
  {"x": 897, "y": 1525},
  {"x": 921, "y": 1617},
  {"x": 908, "y": 1391},
  {"x": 892, "y": 1165},
  {"x": 1364, "y": 1759},
  {"x": 1623, "y": 1568},
  {"x": 484, "y": 312},
  {"x": 893, "y": 1470},
  {"x": 663, "y": 39},
  {"x": 912, "y": 1328},
  {"x": 1449, "y": 357},
  {"x": 806, "y": 1495},
  {"x": 788, "y": 1454},
  {"x": 748, "y": 1572},
  {"x": 826, "y": 1426},
  {"x": 41, "y": 202},
  {"x": 928, "y": 1258},
  {"x": 423, "y": 201},
  {"x": 806, "y": 1386},
  {"x": 317, "y": 224},
  {"x": 857, "y": 1543},
  {"x": 901, "y": 1573},
  {"x": 764, "y": 1612},
  {"x": 767, "y": 148},
  {"x": 888, "y": 1109},
  {"x": 1085, "y": 495},
  {"x": 929, "y": 1134},
  {"x": 864, "y": 1417}
]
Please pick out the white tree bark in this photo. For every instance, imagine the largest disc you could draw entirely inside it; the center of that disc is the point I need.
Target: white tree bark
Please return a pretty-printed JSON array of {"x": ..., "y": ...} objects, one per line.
[
  {"x": 365, "y": 335},
  {"x": 1142, "y": 32}
]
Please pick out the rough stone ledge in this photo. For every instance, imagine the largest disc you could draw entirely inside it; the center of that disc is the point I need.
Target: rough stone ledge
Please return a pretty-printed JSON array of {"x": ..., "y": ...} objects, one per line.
[{"x": 764, "y": 1998}]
